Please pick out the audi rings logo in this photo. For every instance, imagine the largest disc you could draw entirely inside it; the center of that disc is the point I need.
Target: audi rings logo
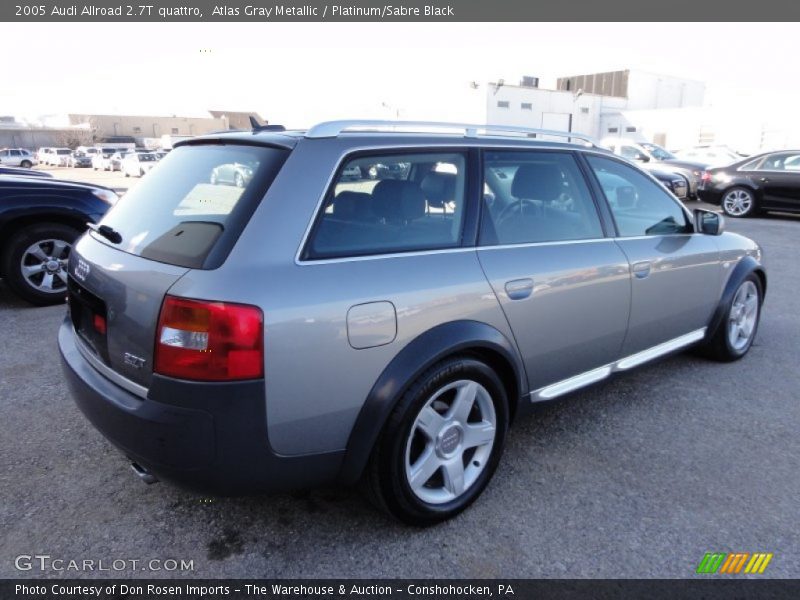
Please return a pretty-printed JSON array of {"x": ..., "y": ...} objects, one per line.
[{"x": 82, "y": 270}]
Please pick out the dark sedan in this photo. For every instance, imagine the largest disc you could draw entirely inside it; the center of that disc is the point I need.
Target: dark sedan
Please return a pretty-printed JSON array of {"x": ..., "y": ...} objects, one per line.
[
  {"x": 39, "y": 221},
  {"x": 676, "y": 183},
  {"x": 769, "y": 181},
  {"x": 79, "y": 159},
  {"x": 17, "y": 172}
]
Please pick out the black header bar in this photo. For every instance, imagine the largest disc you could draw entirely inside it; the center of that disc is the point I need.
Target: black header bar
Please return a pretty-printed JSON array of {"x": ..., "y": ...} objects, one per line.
[{"x": 262, "y": 11}]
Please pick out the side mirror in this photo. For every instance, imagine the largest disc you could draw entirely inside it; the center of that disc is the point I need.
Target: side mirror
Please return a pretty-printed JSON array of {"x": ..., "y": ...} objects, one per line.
[
  {"x": 708, "y": 222},
  {"x": 643, "y": 157}
]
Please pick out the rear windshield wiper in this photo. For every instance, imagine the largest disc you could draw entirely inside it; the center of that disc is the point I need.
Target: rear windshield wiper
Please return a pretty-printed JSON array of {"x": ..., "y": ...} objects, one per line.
[{"x": 107, "y": 232}]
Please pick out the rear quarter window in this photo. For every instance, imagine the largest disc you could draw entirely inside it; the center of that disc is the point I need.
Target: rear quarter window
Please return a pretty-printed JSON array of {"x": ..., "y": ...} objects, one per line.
[{"x": 192, "y": 206}]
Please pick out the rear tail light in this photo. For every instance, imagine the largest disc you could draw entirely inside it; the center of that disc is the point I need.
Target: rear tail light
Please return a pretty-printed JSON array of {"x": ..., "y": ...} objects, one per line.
[
  {"x": 705, "y": 176},
  {"x": 209, "y": 341}
]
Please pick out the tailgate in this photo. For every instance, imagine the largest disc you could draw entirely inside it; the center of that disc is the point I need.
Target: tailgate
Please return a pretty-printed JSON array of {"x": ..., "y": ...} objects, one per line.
[{"x": 115, "y": 299}]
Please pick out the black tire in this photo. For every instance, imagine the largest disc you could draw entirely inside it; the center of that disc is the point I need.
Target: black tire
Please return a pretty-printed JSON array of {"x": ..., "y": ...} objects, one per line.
[
  {"x": 742, "y": 191},
  {"x": 385, "y": 477},
  {"x": 719, "y": 346},
  {"x": 14, "y": 250},
  {"x": 26, "y": 164}
]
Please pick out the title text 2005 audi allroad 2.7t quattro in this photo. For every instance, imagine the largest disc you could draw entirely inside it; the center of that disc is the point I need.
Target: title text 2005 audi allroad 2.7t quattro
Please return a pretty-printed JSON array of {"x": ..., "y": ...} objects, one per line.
[{"x": 307, "y": 325}]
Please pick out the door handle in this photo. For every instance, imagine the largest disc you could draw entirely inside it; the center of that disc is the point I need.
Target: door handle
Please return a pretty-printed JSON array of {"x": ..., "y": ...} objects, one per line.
[
  {"x": 641, "y": 269},
  {"x": 764, "y": 180},
  {"x": 519, "y": 289}
]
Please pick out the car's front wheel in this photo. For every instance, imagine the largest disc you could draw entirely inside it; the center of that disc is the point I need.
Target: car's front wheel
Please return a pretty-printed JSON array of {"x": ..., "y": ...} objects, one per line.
[
  {"x": 26, "y": 164},
  {"x": 739, "y": 202},
  {"x": 736, "y": 332},
  {"x": 441, "y": 444},
  {"x": 35, "y": 262}
]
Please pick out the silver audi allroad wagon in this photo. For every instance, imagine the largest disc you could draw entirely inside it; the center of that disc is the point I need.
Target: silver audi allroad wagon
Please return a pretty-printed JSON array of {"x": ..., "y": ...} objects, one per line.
[{"x": 377, "y": 302}]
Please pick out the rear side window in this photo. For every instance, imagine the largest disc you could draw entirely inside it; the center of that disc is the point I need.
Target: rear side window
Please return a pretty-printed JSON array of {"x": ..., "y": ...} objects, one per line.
[
  {"x": 640, "y": 205},
  {"x": 191, "y": 207},
  {"x": 392, "y": 203}
]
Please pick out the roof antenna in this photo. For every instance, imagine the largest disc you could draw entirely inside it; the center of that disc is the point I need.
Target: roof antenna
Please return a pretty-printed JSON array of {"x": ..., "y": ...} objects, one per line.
[{"x": 256, "y": 126}]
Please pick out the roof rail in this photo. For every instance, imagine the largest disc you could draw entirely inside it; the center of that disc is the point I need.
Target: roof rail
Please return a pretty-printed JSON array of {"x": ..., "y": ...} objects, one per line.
[{"x": 331, "y": 129}]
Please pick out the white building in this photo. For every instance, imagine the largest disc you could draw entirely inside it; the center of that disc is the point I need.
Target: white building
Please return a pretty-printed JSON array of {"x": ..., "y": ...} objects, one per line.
[
  {"x": 593, "y": 104},
  {"x": 669, "y": 111}
]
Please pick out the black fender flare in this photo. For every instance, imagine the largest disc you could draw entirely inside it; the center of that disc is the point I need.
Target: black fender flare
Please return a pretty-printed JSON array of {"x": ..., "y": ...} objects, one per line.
[
  {"x": 745, "y": 266},
  {"x": 417, "y": 356}
]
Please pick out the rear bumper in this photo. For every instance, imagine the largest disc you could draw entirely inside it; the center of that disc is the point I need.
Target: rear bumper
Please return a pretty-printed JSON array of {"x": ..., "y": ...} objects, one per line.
[{"x": 210, "y": 437}]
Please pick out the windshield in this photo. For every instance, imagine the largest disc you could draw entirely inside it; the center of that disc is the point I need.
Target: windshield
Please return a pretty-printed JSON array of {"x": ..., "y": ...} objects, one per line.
[
  {"x": 64, "y": 151},
  {"x": 657, "y": 151},
  {"x": 197, "y": 200}
]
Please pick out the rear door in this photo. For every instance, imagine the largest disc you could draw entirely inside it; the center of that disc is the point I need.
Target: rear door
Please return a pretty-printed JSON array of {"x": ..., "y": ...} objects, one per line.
[
  {"x": 563, "y": 284},
  {"x": 675, "y": 273},
  {"x": 173, "y": 221}
]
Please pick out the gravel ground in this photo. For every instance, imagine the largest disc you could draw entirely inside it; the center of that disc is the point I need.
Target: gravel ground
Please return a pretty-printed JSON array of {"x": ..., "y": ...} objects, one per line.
[{"x": 636, "y": 477}]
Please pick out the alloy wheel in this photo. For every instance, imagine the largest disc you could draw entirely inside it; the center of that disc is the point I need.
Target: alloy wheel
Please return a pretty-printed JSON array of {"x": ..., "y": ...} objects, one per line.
[
  {"x": 450, "y": 442},
  {"x": 743, "y": 316},
  {"x": 737, "y": 202},
  {"x": 44, "y": 265}
]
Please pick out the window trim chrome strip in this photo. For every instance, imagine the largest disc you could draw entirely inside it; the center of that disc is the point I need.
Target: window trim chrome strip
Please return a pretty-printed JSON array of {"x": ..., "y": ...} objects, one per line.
[
  {"x": 108, "y": 372},
  {"x": 581, "y": 380}
]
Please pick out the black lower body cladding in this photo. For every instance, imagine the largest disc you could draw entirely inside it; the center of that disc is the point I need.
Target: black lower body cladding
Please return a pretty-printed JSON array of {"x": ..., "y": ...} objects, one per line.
[{"x": 211, "y": 437}]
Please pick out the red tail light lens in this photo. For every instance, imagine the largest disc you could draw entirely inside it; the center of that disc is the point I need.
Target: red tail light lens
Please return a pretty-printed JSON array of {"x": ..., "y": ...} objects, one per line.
[
  {"x": 209, "y": 341},
  {"x": 705, "y": 176}
]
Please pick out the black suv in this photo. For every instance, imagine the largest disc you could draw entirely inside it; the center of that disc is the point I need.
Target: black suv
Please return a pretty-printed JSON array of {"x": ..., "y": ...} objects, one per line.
[{"x": 40, "y": 218}]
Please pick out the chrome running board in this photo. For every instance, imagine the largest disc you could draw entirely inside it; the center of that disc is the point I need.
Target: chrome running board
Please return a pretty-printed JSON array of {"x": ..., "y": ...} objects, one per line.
[{"x": 634, "y": 360}]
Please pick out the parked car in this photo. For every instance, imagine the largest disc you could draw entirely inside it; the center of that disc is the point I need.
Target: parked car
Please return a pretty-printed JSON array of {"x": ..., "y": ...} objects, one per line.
[
  {"x": 79, "y": 160},
  {"x": 237, "y": 174},
  {"x": 136, "y": 164},
  {"x": 17, "y": 157},
  {"x": 386, "y": 171},
  {"x": 20, "y": 172},
  {"x": 711, "y": 156},
  {"x": 88, "y": 150},
  {"x": 97, "y": 161},
  {"x": 58, "y": 157},
  {"x": 766, "y": 182},
  {"x": 107, "y": 160},
  {"x": 40, "y": 218},
  {"x": 375, "y": 335},
  {"x": 114, "y": 162},
  {"x": 676, "y": 183},
  {"x": 42, "y": 155},
  {"x": 352, "y": 173},
  {"x": 654, "y": 156}
]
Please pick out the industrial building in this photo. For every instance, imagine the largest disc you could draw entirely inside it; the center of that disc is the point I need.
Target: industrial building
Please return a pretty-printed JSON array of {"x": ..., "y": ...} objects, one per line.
[
  {"x": 670, "y": 111},
  {"x": 593, "y": 104}
]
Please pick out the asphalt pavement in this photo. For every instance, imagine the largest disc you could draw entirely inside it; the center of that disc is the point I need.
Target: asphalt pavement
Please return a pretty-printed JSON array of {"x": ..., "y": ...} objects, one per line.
[{"x": 639, "y": 476}]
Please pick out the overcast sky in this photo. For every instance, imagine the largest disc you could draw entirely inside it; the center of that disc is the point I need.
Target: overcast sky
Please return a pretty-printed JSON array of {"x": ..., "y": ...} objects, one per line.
[{"x": 297, "y": 74}]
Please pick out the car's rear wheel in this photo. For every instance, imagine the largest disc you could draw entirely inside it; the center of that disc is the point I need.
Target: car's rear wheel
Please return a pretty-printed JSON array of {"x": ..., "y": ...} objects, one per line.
[
  {"x": 35, "y": 262},
  {"x": 441, "y": 444},
  {"x": 739, "y": 202},
  {"x": 238, "y": 180},
  {"x": 736, "y": 333}
]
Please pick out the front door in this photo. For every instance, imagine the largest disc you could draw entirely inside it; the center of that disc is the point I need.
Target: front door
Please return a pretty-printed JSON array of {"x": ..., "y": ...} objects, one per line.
[{"x": 675, "y": 273}]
